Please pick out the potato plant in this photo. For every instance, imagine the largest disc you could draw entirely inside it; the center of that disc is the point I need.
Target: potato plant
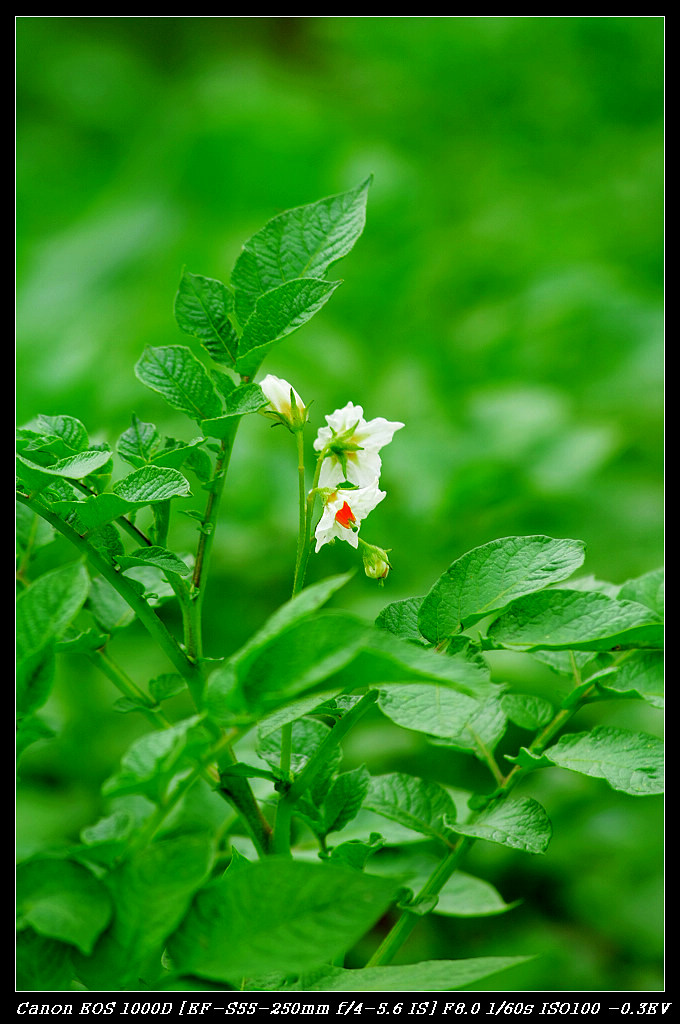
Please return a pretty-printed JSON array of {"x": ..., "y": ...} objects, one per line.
[{"x": 308, "y": 856}]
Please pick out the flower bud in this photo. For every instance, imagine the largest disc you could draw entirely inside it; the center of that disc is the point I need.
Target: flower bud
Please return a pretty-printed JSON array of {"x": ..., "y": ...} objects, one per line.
[
  {"x": 376, "y": 563},
  {"x": 285, "y": 405}
]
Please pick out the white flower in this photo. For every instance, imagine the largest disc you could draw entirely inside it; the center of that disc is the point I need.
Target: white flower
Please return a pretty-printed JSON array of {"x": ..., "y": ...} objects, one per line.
[
  {"x": 354, "y": 446},
  {"x": 343, "y": 512},
  {"x": 281, "y": 396}
]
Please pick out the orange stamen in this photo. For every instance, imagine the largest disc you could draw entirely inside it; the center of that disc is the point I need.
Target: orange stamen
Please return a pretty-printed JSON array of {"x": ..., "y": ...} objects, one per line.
[{"x": 345, "y": 516}]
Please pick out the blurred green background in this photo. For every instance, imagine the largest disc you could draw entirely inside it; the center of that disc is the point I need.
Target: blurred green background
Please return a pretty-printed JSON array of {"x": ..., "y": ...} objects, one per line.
[{"x": 504, "y": 302}]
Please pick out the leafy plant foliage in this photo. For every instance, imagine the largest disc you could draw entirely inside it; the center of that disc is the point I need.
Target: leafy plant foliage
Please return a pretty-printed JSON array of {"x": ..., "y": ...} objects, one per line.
[{"x": 152, "y": 897}]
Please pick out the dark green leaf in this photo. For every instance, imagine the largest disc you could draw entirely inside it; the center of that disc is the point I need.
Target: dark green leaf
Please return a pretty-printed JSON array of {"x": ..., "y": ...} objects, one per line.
[
  {"x": 277, "y": 314},
  {"x": 302, "y": 242},
  {"x": 62, "y": 900},
  {"x": 276, "y": 915},
  {"x": 182, "y": 379},
  {"x": 202, "y": 308},
  {"x": 162, "y": 558}
]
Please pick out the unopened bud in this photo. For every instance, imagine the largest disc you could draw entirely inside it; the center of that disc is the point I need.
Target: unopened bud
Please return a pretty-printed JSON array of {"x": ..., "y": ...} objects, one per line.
[
  {"x": 285, "y": 405},
  {"x": 376, "y": 563}
]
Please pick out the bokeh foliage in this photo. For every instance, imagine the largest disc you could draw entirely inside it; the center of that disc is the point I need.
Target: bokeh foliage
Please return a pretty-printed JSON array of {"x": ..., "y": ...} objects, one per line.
[{"x": 504, "y": 302}]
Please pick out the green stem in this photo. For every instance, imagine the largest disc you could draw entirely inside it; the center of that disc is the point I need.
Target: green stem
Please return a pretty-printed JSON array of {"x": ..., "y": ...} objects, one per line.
[
  {"x": 127, "y": 686},
  {"x": 187, "y": 668},
  {"x": 304, "y": 549},
  {"x": 287, "y": 801},
  {"x": 440, "y": 876},
  {"x": 193, "y": 620}
]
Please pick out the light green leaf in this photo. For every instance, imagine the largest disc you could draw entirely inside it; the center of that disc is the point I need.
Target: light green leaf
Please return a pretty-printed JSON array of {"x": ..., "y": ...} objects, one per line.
[
  {"x": 162, "y": 558},
  {"x": 276, "y": 915},
  {"x": 202, "y": 308},
  {"x": 489, "y": 577},
  {"x": 463, "y": 895},
  {"x": 641, "y": 674},
  {"x": 95, "y": 511},
  {"x": 75, "y": 467},
  {"x": 455, "y": 718},
  {"x": 182, "y": 379},
  {"x": 152, "y": 483},
  {"x": 562, "y": 619},
  {"x": 277, "y": 314},
  {"x": 140, "y": 443},
  {"x": 631, "y": 762},
  {"x": 302, "y": 242},
  {"x": 647, "y": 590},
  {"x": 519, "y": 824},
  {"x": 426, "y": 976},
  {"x": 527, "y": 710},
  {"x": 414, "y": 803},
  {"x": 62, "y": 900},
  {"x": 68, "y": 428}
]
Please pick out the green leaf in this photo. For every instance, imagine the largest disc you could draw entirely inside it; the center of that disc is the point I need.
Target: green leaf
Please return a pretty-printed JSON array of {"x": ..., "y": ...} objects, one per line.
[
  {"x": 151, "y": 761},
  {"x": 302, "y": 242},
  {"x": 291, "y": 653},
  {"x": 162, "y": 558},
  {"x": 344, "y": 798},
  {"x": 462, "y": 895},
  {"x": 29, "y": 730},
  {"x": 277, "y": 314},
  {"x": 42, "y": 964},
  {"x": 489, "y": 577},
  {"x": 386, "y": 658},
  {"x": 42, "y": 614},
  {"x": 151, "y": 483},
  {"x": 140, "y": 443},
  {"x": 166, "y": 686},
  {"x": 94, "y": 512},
  {"x": 401, "y": 618},
  {"x": 296, "y": 609},
  {"x": 641, "y": 674},
  {"x": 240, "y": 401},
  {"x": 647, "y": 590},
  {"x": 110, "y": 610},
  {"x": 32, "y": 532},
  {"x": 152, "y": 891},
  {"x": 519, "y": 824},
  {"x": 562, "y": 619},
  {"x": 630, "y": 762},
  {"x": 276, "y": 915},
  {"x": 62, "y": 900},
  {"x": 70, "y": 430},
  {"x": 202, "y": 308},
  {"x": 307, "y": 737},
  {"x": 74, "y": 467},
  {"x": 414, "y": 803},
  {"x": 426, "y": 976},
  {"x": 459, "y": 720},
  {"x": 182, "y": 379},
  {"x": 526, "y": 710}
]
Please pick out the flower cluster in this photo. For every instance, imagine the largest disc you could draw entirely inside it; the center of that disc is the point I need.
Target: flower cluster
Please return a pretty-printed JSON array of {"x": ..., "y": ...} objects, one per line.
[
  {"x": 349, "y": 477},
  {"x": 348, "y": 468}
]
